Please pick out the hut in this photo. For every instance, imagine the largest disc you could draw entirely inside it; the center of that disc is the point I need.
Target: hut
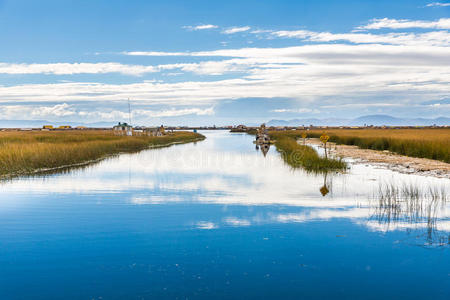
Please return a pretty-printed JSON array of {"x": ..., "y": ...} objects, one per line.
[
  {"x": 158, "y": 131},
  {"x": 123, "y": 129},
  {"x": 239, "y": 128}
]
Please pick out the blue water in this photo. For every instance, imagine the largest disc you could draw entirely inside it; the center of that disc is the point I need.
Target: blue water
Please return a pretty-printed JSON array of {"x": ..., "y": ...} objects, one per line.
[{"x": 217, "y": 219}]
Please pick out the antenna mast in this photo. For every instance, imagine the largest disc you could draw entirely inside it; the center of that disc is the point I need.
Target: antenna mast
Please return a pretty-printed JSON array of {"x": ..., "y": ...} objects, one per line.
[{"x": 129, "y": 111}]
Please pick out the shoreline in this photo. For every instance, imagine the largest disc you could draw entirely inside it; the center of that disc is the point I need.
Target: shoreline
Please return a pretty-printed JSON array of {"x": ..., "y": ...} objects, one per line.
[
  {"x": 93, "y": 161},
  {"x": 388, "y": 160}
]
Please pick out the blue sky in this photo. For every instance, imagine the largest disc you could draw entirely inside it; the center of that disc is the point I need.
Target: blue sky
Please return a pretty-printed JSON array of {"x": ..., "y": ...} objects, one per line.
[{"x": 211, "y": 62}]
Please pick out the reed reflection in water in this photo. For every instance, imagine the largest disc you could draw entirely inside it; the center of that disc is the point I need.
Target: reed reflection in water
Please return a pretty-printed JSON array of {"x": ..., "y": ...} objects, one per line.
[
  {"x": 414, "y": 208},
  {"x": 221, "y": 218}
]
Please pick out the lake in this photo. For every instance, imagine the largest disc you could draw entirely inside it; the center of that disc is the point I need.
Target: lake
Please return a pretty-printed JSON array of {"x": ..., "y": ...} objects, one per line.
[{"x": 218, "y": 219}]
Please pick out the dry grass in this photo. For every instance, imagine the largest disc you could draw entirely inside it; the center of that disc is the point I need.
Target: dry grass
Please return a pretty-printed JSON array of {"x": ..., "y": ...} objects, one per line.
[
  {"x": 427, "y": 143},
  {"x": 28, "y": 152}
]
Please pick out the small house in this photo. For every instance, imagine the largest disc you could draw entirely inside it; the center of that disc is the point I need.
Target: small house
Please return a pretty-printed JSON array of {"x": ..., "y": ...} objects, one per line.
[
  {"x": 123, "y": 129},
  {"x": 239, "y": 128},
  {"x": 158, "y": 131}
]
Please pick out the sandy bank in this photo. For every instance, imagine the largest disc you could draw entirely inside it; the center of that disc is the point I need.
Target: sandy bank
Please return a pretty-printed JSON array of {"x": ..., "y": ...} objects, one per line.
[{"x": 389, "y": 160}]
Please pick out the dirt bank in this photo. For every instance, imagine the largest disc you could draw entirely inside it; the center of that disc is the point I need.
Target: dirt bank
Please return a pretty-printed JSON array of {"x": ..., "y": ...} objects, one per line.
[{"x": 392, "y": 161}]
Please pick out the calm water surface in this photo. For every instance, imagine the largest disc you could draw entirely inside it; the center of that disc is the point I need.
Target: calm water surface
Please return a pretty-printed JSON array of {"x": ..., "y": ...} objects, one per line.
[{"x": 217, "y": 219}]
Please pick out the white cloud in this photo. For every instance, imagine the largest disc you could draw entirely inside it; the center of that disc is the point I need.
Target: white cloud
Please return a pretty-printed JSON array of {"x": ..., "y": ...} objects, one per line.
[
  {"x": 155, "y": 53},
  {"x": 322, "y": 214},
  {"x": 306, "y": 73},
  {"x": 232, "y": 221},
  {"x": 11, "y": 112},
  {"x": 443, "y": 23},
  {"x": 236, "y": 29},
  {"x": 174, "y": 112},
  {"x": 434, "y": 4},
  {"x": 296, "y": 110},
  {"x": 201, "y": 27},
  {"x": 206, "y": 67},
  {"x": 75, "y": 68},
  {"x": 206, "y": 225},
  {"x": 259, "y": 31},
  {"x": 214, "y": 67},
  {"x": 211, "y": 67},
  {"x": 435, "y": 38},
  {"x": 320, "y": 49},
  {"x": 144, "y": 114},
  {"x": 411, "y": 66},
  {"x": 59, "y": 110}
]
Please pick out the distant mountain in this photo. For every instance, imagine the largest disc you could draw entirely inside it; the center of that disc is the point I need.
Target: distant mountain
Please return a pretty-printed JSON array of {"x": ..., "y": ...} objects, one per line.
[
  {"x": 376, "y": 120},
  {"x": 307, "y": 122},
  {"x": 379, "y": 120}
]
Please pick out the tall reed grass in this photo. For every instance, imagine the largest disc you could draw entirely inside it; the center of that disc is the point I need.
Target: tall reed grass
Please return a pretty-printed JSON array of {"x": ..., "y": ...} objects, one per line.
[
  {"x": 28, "y": 152},
  {"x": 424, "y": 143},
  {"x": 306, "y": 157}
]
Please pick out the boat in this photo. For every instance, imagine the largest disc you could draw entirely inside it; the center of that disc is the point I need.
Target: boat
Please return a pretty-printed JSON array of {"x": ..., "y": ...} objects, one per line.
[{"x": 262, "y": 136}]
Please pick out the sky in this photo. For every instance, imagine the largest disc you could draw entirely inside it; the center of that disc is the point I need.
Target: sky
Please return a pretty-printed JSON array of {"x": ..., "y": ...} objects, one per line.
[{"x": 223, "y": 62}]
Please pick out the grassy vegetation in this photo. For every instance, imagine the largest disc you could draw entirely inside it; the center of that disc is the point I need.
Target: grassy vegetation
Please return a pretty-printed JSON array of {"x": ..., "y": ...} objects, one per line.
[
  {"x": 28, "y": 152},
  {"x": 252, "y": 131},
  {"x": 306, "y": 157},
  {"x": 427, "y": 143}
]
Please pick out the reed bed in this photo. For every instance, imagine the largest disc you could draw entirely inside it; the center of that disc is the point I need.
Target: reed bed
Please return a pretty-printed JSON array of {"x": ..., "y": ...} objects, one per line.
[
  {"x": 432, "y": 143},
  {"x": 303, "y": 156},
  {"x": 29, "y": 152}
]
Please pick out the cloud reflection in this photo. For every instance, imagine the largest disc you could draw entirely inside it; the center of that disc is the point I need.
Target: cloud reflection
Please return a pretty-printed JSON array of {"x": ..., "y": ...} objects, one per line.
[{"x": 225, "y": 170}]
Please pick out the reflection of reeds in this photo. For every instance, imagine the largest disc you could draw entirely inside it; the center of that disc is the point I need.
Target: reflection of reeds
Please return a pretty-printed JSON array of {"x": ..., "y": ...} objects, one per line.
[
  {"x": 411, "y": 204},
  {"x": 306, "y": 157},
  {"x": 27, "y": 152},
  {"x": 410, "y": 192}
]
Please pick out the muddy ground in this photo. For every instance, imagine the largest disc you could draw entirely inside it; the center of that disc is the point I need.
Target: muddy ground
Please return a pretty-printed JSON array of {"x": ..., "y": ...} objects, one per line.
[{"x": 389, "y": 160}]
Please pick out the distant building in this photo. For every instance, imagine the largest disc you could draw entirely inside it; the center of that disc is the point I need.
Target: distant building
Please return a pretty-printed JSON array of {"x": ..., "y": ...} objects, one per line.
[
  {"x": 239, "y": 128},
  {"x": 64, "y": 127},
  {"x": 123, "y": 129},
  {"x": 47, "y": 127},
  {"x": 158, "y": 131}
]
